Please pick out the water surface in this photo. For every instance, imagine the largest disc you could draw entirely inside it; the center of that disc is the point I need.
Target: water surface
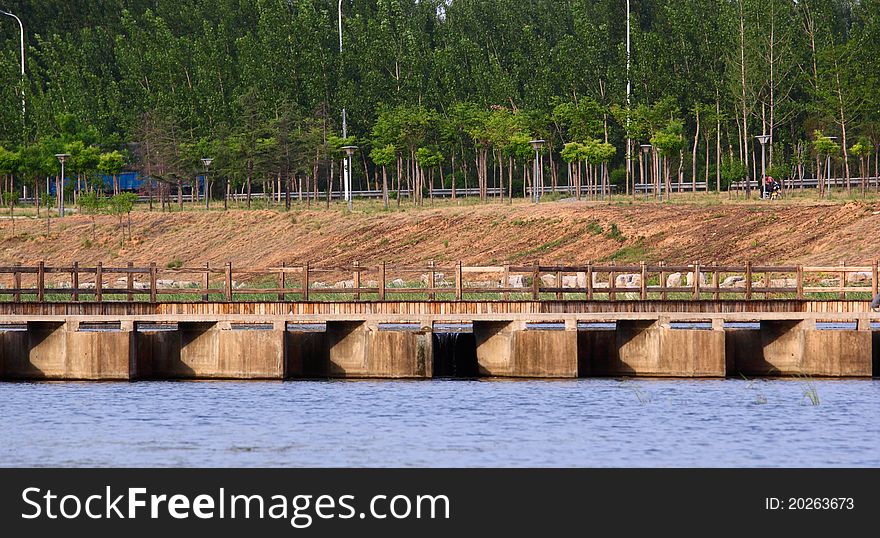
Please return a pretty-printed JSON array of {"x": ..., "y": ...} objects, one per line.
[{"x": 486, "y": 423}]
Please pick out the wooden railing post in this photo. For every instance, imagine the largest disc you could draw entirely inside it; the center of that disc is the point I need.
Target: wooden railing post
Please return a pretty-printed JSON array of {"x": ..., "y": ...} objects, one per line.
[
  {"x": 663, "y": 293},
  {"x": 153, "y": 284},
  {"x": 505, "y": 282},
  {"x": 282, "y": 281},
  {"x": 229, "y": 281},
  {"x": 129, "y": 281},
  {"x": 207, "y": 281},
  {"x": 41, "y": 281},
  {"x": 382, "y": 282},
  {"x": 748, "y": 281},
  {"x": 800, "y": 281},
  {"x": 875, "y": 279},
  {"x": 842, "y": 294},
  {"x": 536, "y": 283},
  {"x": 16, "y": 283},
  {"x": 99, "y": 281},
  {"x": 589, "y": 280},
  {"x": 458, "y": 282},
  {"x": 431, "y": 280},
  {"x": 612, "y": 277},
  {"x": 643, "y": 281},
  {"x": 696, "y": 295},
  {"x": 357, "y": 280},
  {"x": 305, "y": 282},
  {"x": 74, "y": 281},
  {"x": 716, "y": 281},
  {"x": 559, "y": 285}
]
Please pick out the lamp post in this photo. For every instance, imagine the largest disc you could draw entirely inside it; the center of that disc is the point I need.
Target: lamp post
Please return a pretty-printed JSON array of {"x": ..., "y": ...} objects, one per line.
[
  {"x": 207, "y": 162},
  {"x": 349, "y": 151},
  {"x": 21, "y": 28},
  {"x": 59, "y": 185},
  {"x": 536, "y": 194},
  {"x": 628, "y": 159},
  {"x": 763, "y": 139},
  {"x": 645, "y": 149}
]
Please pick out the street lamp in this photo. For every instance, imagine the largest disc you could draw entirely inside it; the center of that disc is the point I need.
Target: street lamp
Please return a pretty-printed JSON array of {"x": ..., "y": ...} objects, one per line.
[
  {"x": 207, "y": 162},
  {"x": 59, "y": 185},
  {"x": 763, "y": 139},
  {"x": 21, "y": 27},
  {"x": 536, "y": 194},
  {"x": 349, "y": 151},
  {"x": 645, "y": 149}
]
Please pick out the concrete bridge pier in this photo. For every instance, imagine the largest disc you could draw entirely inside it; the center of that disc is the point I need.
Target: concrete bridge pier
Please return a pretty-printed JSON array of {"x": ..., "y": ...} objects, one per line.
[
  {"x": 67, "y": 350},
  {"x": 654, "y": 348},
  {"x": 797, "y": 347},
  {"x": 358, "y": 349},
  {"x": 512, "y": 349},
  {"x": 214, "y": 350}
]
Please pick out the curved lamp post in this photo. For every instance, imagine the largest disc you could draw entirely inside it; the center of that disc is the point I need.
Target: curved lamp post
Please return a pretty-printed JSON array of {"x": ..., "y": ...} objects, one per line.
[
  {"x": 536, "y": 194},
  {"x": 207, "y": 162},
  {"x": 763, "y": 139},
  {"x": 59, "y": 185},
  {"x": 21, "y": 28}
]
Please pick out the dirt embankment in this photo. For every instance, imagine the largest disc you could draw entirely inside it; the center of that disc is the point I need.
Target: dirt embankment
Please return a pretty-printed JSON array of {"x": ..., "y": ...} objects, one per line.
[{"x": 563, "y": 231}]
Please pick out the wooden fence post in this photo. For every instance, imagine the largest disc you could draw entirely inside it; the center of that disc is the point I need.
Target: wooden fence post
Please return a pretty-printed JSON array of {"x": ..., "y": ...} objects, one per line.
[
  {"x": 356, "y": 277},
  {"x": 589, "y": 280},
  {"x": 663, "y": 294},
  {"x": 536, "y": 283},
  {"x": 800, "y": 281},
  {"x": 612, "y": 296},
  {"x": 696, "y": 295},
  {"x": 16, "y": 282},
  {"x": 129, "y": 281},
  {"x": 74, "y": 281},
  {"x": 305, "y": 282},
  {"x": 99, "y": 281},
  {"x": 41, "y": 281},
  {"x": 716, "y": 281},
  {"x": 748, "y": 281},
  {"x": 643, "y": 281},
  {"x": 229, "y": 281},
  {"x": 559, "y": 285},
  {"x": 153, "y": 292},
  {"x": 842, "y": 294},
  {"x": 505, "y": 282},
  {"x": 458, "y": 282},
  {"x": 207, "y": 281},
  {"x": 875, "y": 281},
  {"x": 431, "y": 280},
  {"x": 282, "y": 281},
  {"x": 382, "y": 282}
]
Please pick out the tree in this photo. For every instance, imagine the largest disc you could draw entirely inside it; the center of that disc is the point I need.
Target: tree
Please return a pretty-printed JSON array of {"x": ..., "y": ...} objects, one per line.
[
  {"x": 92, "y": 204},
  {"x": 111, "y": 164},
  {"x": 10, "y": 199},
  {"x": 121, "y": 205},
  {"x": 384, "y": 157}
]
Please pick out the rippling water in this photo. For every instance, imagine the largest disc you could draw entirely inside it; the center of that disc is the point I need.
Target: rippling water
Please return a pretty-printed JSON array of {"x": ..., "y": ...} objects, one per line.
[{"x": 589, "y": 422}]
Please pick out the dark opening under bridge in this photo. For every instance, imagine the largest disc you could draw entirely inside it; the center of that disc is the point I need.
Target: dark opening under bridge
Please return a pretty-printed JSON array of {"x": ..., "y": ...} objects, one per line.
[{"x": 383, "y": 320}]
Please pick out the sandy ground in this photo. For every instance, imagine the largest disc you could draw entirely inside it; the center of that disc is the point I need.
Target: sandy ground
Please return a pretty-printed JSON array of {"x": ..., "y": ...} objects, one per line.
[{"x": 563, "y": 231}]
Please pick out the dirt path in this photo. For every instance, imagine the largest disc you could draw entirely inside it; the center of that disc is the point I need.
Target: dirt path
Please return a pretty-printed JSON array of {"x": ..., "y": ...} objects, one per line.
[{"x": 562, "y": 231}]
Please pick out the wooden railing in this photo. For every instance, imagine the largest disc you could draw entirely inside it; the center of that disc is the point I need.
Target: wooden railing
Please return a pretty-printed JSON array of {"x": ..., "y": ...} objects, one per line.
[{"x": 435, "y": 282}]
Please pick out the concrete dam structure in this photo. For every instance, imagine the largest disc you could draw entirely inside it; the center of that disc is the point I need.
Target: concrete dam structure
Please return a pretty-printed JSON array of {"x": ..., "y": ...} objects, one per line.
[{"x": 412, "y": 339}]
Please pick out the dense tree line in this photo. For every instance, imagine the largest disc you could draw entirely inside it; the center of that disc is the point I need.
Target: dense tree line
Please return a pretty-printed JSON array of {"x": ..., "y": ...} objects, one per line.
[{"x": 440, "y": 92}]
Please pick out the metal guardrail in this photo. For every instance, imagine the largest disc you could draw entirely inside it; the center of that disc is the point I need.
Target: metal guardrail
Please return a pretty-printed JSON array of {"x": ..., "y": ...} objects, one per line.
[{"x": 304, "y": 282}]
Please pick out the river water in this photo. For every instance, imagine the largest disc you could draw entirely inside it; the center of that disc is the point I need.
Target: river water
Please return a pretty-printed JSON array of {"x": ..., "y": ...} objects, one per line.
[{"x": 484, "y": 423}]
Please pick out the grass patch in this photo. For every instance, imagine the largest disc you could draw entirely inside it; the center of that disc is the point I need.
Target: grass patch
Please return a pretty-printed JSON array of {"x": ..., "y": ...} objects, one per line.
[
  {"x": 630, "y": 253},
  {"x": 615, "y": 233}
]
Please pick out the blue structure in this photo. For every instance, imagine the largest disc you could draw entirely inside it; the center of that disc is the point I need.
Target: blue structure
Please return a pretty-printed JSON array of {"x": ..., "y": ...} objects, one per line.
[{"x": 128, "y": 181}]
